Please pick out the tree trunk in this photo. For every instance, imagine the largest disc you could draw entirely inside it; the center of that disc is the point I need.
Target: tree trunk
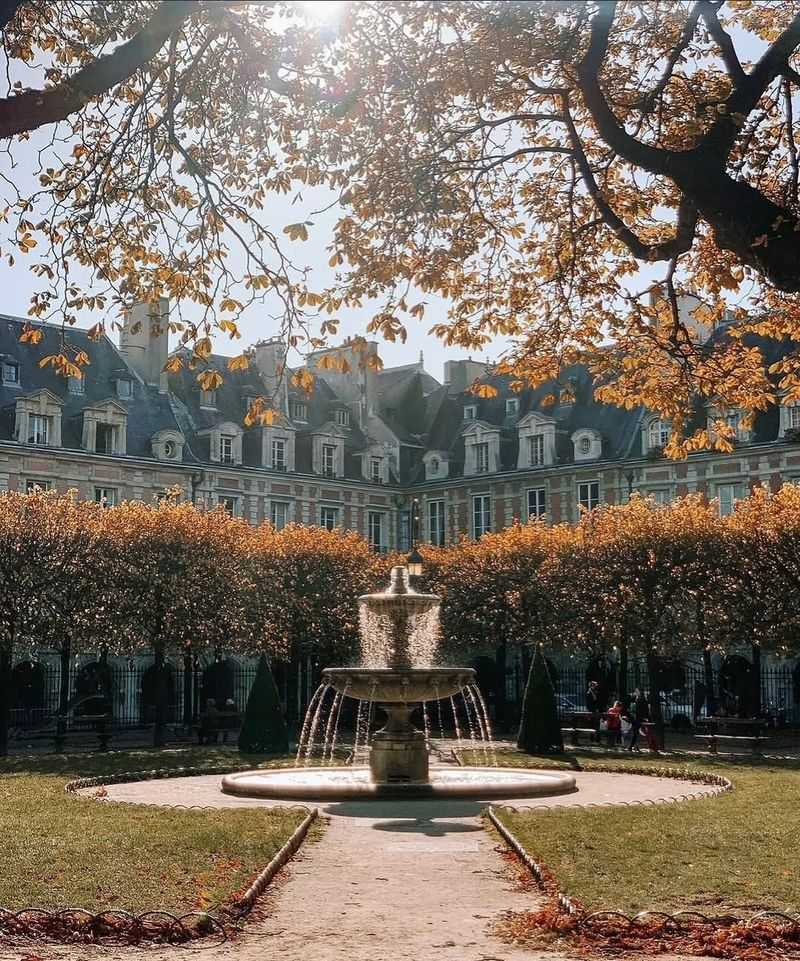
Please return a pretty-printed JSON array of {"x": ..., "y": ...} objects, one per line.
[
  {"x": 188, "y": 683},
  {"x": 5, "y": 699},
  {"x": 160, "y": 726},
  {"x": 708, "y": 679},
  {"x": 756, "y": 691},
  {"x": 65, "y": 660},
  {"x": 500, "y": 658},
  {"x": 622, "y": 672},
  {"x": 656, "y": 714}
]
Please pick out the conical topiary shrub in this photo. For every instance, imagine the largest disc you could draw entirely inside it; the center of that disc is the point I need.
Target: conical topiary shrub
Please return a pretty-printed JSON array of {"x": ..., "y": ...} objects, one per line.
[
  {"x": 263, "y": 728},
  {"x": 539, "y": 729}
]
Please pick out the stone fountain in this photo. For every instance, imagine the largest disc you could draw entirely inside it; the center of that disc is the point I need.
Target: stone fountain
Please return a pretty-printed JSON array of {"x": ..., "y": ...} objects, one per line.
[{"x": 399, "y": 631}]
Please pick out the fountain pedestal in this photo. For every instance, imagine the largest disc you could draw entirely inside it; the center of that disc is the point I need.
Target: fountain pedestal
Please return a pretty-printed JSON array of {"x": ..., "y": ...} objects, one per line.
[{"x": 398, "y": 754}]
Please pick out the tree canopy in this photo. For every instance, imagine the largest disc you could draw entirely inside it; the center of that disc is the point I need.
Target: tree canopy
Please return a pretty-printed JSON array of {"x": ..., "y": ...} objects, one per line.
[{"x": 560, "y": 172}]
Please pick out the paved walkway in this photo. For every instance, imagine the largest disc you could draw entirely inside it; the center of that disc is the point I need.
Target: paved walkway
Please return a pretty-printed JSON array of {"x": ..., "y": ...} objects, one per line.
[{"x": 389, "y": 881}]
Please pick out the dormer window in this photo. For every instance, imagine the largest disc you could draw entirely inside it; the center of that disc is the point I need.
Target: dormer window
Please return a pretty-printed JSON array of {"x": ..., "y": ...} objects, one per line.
[
  {"x": 481, "y": 458},
  {"x": 658, "y": 434},
  {"x": 434, "y": 465},
  {"x": 124, "y": 388},
  {"x": 300, "y": 411},
  {"x": 471, "y": 412},
  {"x": 208, "y": 398},
  {"x": 226, "y": 448},
  {"x": 38, "y": 429},
  {"x": 329, "y": 460},
  {"x": 167, "y": 445},
  {"x": 343, "y": 417},
  {"x": 75, "y": 385},
  {"x": 376, "y": 470},
  {"x": 10, "y": 373},
  {"x": 536, "y": 450},
  {"x": 512, "y": 406},
  {"x": 279, "y": 453},
  {"x": 587, "y": 444},
  {"x": 106, "y": 439},
  {"x": 170, "y": 449}
]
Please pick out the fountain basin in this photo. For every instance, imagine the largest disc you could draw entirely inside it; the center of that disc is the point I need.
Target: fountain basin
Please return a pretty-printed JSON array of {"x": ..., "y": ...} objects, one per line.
[
  {"x": 390, "y": 685},
  {"x": 349, "y": 783}
]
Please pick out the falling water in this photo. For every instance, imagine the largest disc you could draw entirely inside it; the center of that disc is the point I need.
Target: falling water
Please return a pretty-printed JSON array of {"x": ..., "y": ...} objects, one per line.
[
  {"x": 439, "y": 712},
  {"x": 314, "y": 724},
  {"x": 359, "y": 728},
  {"x": 426, "y": 724},
  {"x": 330, "y": 725},
  {"x": 475, "y": 729},
  {"x": 455, "y": 721},
  {"x": 310, "y": 712},
  {"x": 483, "y": 717},
  {"x": 336, "y": 722}
]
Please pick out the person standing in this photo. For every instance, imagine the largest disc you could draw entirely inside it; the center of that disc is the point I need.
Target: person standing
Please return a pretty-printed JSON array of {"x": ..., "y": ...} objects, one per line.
[{"x": 639, "y": 714}]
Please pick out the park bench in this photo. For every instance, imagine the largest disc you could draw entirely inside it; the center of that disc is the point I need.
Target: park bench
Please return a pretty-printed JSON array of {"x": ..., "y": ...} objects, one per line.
[
  {"x": 753, "y": 741},
  {"x": 211, "y": 725},
  {"x": 100, "y": 723},
  {"x": 575, "y": 734}
]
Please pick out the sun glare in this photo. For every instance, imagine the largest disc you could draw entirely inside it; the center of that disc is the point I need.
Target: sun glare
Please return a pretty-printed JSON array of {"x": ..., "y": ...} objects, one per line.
[{"x": 324, "y": 11}]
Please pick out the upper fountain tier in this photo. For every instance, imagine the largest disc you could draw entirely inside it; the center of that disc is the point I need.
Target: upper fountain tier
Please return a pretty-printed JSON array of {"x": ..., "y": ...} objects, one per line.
[{"x": 399, "y": 637}]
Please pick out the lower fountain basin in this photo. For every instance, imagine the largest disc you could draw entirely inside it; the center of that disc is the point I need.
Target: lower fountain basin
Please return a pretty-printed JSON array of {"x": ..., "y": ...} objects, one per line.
[
  {"x": 348, "y": 783},
  {"x": 391, "y": 685}
]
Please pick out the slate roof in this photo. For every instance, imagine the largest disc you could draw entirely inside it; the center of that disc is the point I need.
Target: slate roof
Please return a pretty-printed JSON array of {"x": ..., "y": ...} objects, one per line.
[{"x": 148, "y": 410}]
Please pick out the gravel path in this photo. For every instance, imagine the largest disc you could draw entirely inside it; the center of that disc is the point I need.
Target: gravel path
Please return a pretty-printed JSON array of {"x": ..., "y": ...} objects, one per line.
[{"x": 389, "y": 881}]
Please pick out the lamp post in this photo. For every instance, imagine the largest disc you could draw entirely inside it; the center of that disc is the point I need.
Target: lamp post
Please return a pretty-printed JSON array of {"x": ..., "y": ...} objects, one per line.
[{"x": 414, "y": 559}]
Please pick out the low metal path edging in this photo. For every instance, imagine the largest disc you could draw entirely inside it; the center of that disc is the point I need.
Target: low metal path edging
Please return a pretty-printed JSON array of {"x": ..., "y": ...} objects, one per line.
[{"x": 79, "y": 925}]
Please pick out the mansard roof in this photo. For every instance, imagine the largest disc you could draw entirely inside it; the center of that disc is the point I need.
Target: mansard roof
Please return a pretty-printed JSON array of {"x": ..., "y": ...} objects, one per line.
[{"x": 148, "y": 411}]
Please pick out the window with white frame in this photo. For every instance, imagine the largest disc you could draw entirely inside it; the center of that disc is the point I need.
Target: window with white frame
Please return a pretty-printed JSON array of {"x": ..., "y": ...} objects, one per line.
[
  {"x": 38, "y": 429},
  {"x": 278, "y": 453},
  {"x": 727, "y": 495},
  {"x": 33, "y": 484},
  {"x": 436, "y": 533},
  {"x": 536, "y": 450},
  {"x": 279, "y": 514},
  {"x": 299, "y": 411},
  {"x": 661, "y": 496},
  {"x": 208, "y": 398},
  {"x": 10, "y": 373},
  {"x": 585, "y": 445},
  {"x": 512, "y": 406},
  {"x": 105, "y": 438},
  {"x": 229, "y": 503},
  {"x": 107, "y": 496},
  {"x": 537, "y": 502},
  {"x": 328, "y": 517},
  {"x": 376, "y": 522},
  {"x": 342, "y": 417},
  {"x": 589, "y": 495},
  {"x": 658, "y": 433},
  {"x": 376, "y": 469},
  {"x": 226, "y": 448},
  {"x": 481, "y": 458},
  {"x": 470, "y": 412},
  {"x": 481, "y": 515},
  {"x": 794, "y": 417},
  {"x": 329, "y": 460}
]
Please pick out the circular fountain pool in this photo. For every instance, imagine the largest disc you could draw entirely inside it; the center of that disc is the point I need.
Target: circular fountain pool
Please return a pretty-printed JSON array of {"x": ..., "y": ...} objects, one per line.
[{"x": 349, "y": 783}]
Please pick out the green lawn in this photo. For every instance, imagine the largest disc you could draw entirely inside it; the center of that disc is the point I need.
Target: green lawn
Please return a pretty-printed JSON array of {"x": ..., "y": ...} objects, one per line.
[
  {"x": 734, "y": 853},
  {"x": 64, "y": 851}
]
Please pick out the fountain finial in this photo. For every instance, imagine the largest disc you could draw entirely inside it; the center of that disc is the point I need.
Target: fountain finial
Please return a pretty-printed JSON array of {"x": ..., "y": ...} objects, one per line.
[{"x": 398, "y": 581}]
